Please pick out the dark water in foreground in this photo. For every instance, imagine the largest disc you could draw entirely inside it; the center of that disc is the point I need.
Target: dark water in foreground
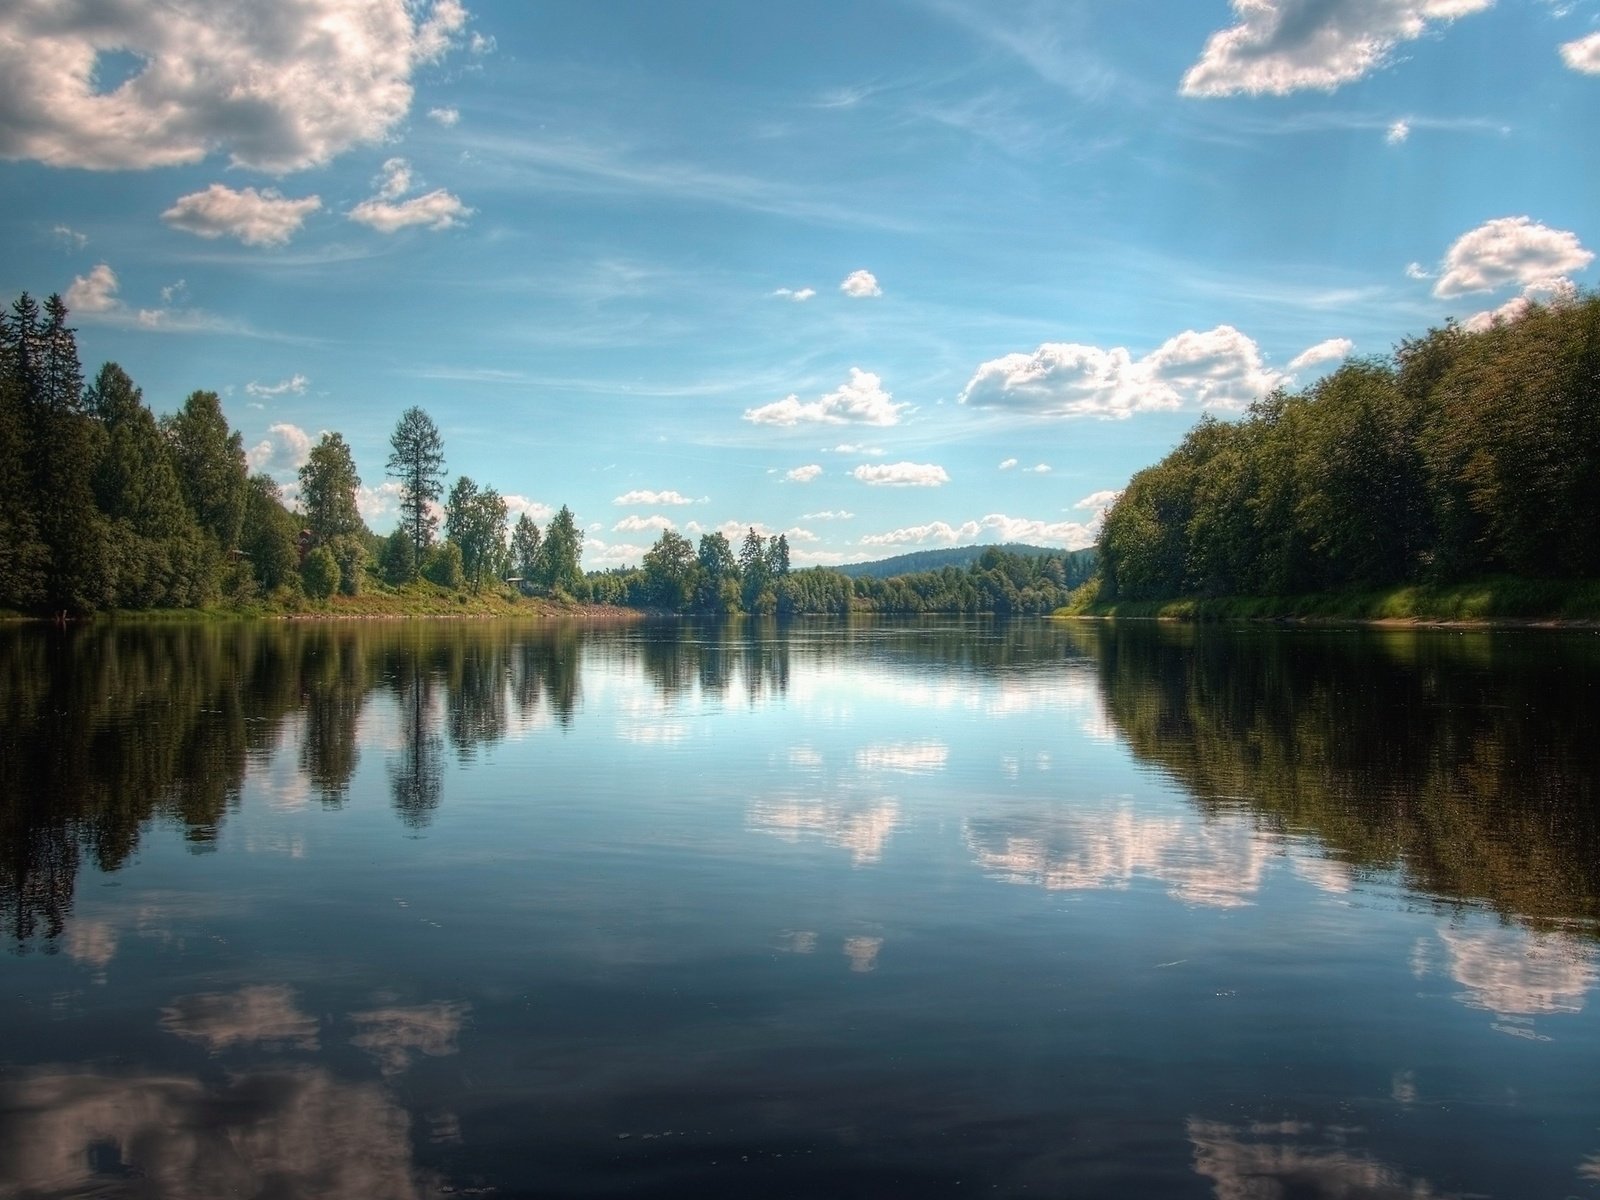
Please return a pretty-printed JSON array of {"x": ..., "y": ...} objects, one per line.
[{"x": 888, "y": 909}]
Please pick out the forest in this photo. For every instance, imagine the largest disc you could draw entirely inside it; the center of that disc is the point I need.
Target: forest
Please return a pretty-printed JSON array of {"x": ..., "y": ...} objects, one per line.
[
  {"x": 1463, "y": 455},
  {"x": 106, "y": 507}
]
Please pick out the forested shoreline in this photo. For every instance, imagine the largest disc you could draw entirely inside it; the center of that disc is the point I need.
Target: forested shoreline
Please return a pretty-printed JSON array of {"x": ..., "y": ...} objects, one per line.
[
  {"x": 106, "y": 507},
  {"x": 1464, "y": 455}
]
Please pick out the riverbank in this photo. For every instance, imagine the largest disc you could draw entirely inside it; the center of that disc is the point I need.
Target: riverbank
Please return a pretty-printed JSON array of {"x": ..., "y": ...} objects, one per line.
[{"x": 1499, "y": 601}]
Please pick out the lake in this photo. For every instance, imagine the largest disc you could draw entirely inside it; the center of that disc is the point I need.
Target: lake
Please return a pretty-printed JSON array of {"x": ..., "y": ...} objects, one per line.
[{"x": 920, "y": 908}]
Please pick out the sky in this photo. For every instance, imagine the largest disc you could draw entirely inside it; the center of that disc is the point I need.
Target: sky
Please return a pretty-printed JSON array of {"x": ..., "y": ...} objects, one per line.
[{"x": 881, "y": 275}]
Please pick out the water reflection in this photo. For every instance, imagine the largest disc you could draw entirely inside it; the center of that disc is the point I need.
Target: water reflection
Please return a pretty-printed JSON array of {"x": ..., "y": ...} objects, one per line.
[
  {"x": 266, "y": 1014},
  {"x": 290, "y": 1132},
  {"x": 1295, "y": 1161}
]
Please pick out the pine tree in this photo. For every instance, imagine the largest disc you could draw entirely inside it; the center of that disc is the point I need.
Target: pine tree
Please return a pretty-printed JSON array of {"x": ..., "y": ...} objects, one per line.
[{"x": 417, "y": 461}]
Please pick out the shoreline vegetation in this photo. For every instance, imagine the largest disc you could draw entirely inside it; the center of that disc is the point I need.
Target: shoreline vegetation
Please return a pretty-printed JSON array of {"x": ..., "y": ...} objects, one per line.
[{"x": 1451, "y": 482}]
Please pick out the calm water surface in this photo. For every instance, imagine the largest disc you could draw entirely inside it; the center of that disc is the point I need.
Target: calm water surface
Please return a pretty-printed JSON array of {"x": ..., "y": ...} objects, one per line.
[{"x": 885, "y": 909}]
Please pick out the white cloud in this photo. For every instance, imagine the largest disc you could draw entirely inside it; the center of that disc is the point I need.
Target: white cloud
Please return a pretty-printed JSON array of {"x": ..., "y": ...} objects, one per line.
[
  {"x": 1038, "y": 469},
  {"x": 263, "y": 218},
  {"x": 1220, "y": 368},
  {"x": 1332, "y": 350},
  {"x": 902, "y": 474},
  {"x": 71, "y": 236},
  {"x": 174, "y": 291},
  {"x": 637, "y": 524},
  {"x": 1416, "y": 270},
  {"x": 1398, "y": 132},
  {"x": 860, "y": 400},
  {"x": 798, "y": 295},
  {"x": 285, "y": 448},
  {"x": 804, "y": 474},
  {"x": 1071, "y": 535},
  {"x": 394, "y": 180},
  {"x": 1545, "y": 291},
  {"x": 1008, "y": 464},
  {"x": 95, "y": 292},
  {"x": 647, "y": 497},
  {"x": 861, "y": 285},
  {"x": 859, "y": 448},
  {"x": 436, "y": 210},
  {"x": 1282, "y": 46},
  {"x": 1099, "y": 501},
  {"x": 599, "y": 555},
  {"x": 537, "y": 512},
  {"x": 829, "y": 515},
  {"x": 296, "y": 383},
  {"x": 280, "y": 87},
  {"x": 652, "y": 498},
  {"x": 1583, "y": 54},
  {"x": 448, "y": 117},
  {"x": 378, "y": 502},
  {"x": 1509, "y": 250}
]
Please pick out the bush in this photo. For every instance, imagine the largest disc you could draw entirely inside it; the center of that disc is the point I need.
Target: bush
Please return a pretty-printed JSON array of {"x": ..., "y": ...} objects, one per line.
[
  {"x": 397, "y": 561},
  {"x": 351, "y": 556},
  {"x": 320, "y": 573},
  {"x": 443, "y": 566}
]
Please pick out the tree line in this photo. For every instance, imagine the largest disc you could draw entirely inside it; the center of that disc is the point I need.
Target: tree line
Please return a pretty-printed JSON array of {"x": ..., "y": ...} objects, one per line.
[
  {"x": 1461, "y": 455},
  {"x": 104, "y": 505}
]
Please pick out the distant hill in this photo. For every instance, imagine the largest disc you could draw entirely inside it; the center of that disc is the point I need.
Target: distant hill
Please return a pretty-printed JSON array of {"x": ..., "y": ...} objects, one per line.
[{"x": 959, "y": 556}]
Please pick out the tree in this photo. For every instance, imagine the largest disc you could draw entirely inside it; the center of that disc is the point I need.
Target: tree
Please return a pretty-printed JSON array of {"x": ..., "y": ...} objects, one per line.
[
  {"x": 778, "y": 556},
  {"x": 270, "y": 535},
  {"x": 753, "y": 573},
  {"x": 417, "y": 461},
  {"x": 670, "y": 568},
  {"x": 717, "y": 589},
  {"x": 321, "y": 573},
  {"x": 525, "y": 547},
  {"x": 475, "y": 520},
  {"x": 211, "y": 467},
  {"x": 328, "y": 489},
  {"x": 560, "y": 552}
]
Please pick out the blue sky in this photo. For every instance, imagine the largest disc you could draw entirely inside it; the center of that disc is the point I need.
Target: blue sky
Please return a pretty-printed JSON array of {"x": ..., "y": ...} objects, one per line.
[{"x": 880, "y": 275}]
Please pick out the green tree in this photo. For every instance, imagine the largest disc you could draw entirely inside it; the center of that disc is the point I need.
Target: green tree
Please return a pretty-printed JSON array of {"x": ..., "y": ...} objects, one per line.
[
  {"x": 560, "y": 552},
  {"x": 717, "y": 582},
  {"x": 475, "y": 520},
  {"x": 753, "y": 572},
  {"x": 417, "y": 461},
  {"x": 525, "y": 547},
  {"x": 270, "y": 535},
  {"x": 670, "y": 569},
  {"x": 443, "y": 566},
  {"x": 329, "y": 486},
  {"x": 320, "y": 573}
]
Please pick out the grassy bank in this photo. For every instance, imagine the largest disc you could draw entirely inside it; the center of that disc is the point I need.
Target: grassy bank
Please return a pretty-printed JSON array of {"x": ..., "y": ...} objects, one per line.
[
  {"x": 1485, "y": 601},
  {"x": 416, "y": 600}
]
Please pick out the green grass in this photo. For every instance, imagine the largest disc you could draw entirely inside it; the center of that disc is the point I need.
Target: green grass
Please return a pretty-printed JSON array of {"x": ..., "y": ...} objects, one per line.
[{"x": 1499, "y": 599}]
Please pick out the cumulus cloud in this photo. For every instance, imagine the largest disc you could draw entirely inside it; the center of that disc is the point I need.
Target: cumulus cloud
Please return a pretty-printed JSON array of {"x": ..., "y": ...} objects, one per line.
[
  {"x": 537, "y": 512},
  {"x": 1282, "y": 46},
  {"x": 95, "y": 292},
  {"x": 1416, "y": 270},
  {"x": 1220, "y": 368},
  {"x": 1509, "y": 250},
  {"x": 861, "y": 285},
  {"x": 902, "y": 474},
  {"x": 279, "y": 87},
  {"x": 828, "y": 515},
  {"x": 285, "y": 448},
  {"x": 1071, "y": 535},
  {"x": 71, "y": 237},
  {"x": 375, "y": 503},
  {"x": 1008, "y": 464},
  {"x": 804, "y": 474},
  {"x": 637, "y": 524},
  {"x": 1399, "y": 131},
  {"x": 860, "y": 400},
  {"x": 1332, "y": 350},
  {"x": 437, "y": 209},
  {"x": 447, "y": 117},
  {"x": 1100, "y": 501},
  {"x": 858, "y": 448},
  {"x": 798, "y": 295},
  {"x": 296, "y": 384},
  {"x": 1546, "y": 291},
  {"x": 264, "y": 218},
  {"x": 1039, "y": 469},
  {"x": 648, "y": 497},
  {"x": 394, "y": 180},
  {"x": 1583, "y": 54},
  {"x": 598, "y": 554}
]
